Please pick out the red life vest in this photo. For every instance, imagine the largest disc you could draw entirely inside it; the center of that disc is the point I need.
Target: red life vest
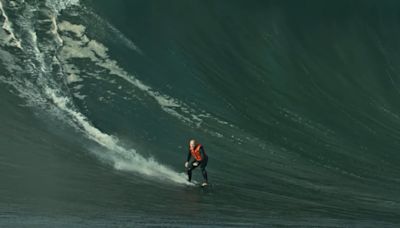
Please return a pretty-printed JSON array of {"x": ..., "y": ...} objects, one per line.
[{"x": 196, "y": 152}]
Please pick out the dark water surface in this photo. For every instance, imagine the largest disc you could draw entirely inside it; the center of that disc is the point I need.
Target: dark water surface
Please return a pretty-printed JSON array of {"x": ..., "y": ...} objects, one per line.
[{"x": 296, "y": 103}]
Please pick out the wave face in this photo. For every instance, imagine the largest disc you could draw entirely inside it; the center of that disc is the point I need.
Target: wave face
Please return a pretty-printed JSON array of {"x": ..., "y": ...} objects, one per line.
[{"x": 296, "y": 104}]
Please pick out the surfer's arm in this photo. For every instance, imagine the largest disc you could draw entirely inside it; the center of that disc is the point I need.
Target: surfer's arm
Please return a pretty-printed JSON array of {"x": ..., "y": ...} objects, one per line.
[
  {"x": 202, "y": 154},
  {"x": 188, "y": 156}
]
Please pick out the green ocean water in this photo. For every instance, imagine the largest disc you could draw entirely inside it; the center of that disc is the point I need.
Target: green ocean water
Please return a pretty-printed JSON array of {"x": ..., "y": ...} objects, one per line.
[{"x": 295, "y": 102}]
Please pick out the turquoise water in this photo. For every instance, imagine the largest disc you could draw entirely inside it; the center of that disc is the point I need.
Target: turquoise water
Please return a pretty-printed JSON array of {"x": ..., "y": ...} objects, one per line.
[{"x": 296, "y": 104}]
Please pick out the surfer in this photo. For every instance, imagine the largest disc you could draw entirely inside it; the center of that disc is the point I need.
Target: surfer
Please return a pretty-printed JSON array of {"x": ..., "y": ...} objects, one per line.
[{"x": 196, "y": 157}]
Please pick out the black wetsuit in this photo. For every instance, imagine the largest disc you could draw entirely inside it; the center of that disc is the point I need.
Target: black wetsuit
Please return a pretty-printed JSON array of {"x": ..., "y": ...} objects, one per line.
[{"x": 203, "y": 163}]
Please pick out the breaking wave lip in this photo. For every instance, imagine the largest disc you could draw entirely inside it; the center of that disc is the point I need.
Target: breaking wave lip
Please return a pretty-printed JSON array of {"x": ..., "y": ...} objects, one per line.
[
  {"x": 45, "y": 89},
  {"x": 71, "y": 42}
]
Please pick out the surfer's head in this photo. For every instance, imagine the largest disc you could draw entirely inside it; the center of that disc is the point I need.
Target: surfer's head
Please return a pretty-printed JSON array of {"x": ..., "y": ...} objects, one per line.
[{"x": 192, "y": 143}]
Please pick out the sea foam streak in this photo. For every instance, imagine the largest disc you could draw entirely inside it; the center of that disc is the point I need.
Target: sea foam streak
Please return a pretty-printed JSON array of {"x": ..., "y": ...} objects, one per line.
[{"x": 123, "y": 159}]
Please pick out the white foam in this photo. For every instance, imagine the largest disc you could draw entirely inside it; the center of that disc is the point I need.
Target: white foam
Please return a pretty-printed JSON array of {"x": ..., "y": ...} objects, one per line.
[
  {"x": 71, "y": 78},
  {"x": 99, "y": 49},
  {"x": 82, "y": 47},
  {"x": 54, "y": 29},
  {"x": 7, "y": 26},
  {"x": 72, "y": 73},
  {"x": 79, "y": 96},
  {"x": 58, "y": 5},
  {"x": 34, "y": 42},
  {"x": 123, "y": 159},
  {"x": 78, "y": 30}
]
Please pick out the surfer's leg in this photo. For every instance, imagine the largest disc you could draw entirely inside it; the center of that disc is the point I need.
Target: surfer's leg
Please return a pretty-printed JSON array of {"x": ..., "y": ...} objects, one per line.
[
  {"x": 204, "y": 172},
  {"x": 203, "y": 165},
  {"x": 189, "y": 170},
  {"x": 189, "y": 173}
]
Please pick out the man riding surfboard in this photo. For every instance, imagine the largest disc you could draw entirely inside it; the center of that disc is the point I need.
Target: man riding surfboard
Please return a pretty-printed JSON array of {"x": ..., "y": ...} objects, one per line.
[{"x": 196, "y": 157}]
